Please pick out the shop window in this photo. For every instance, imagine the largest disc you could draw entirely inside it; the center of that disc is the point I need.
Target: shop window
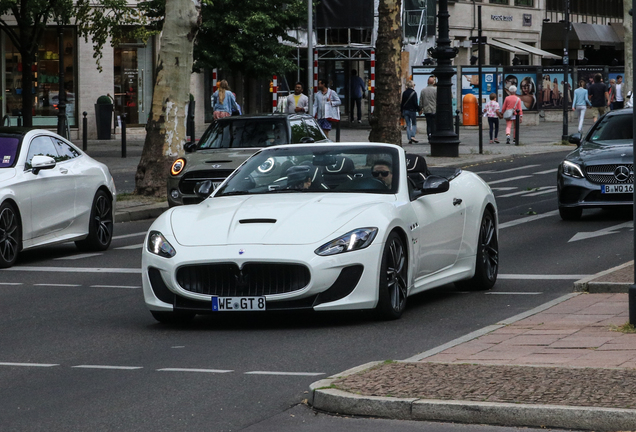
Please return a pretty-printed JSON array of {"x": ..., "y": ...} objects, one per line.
[
  {"x": 46, "y": 84},
  {"x": 133, "y": 81},
  {"x": 526, "y": 3},
  {"x": 502, "y": 2}
]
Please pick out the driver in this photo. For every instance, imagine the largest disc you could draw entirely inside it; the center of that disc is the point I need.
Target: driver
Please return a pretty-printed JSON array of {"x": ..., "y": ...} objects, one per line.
[
  {"x": 299, "y": 177},
  {"x": 382, "y": 171}
]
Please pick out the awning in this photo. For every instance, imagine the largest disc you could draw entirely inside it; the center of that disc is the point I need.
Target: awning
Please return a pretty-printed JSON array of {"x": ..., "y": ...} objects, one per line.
[
  {"x": 505, "y": 47},
  {"x": 581, "y": 35},
  {"x": 529, "y": 48}
]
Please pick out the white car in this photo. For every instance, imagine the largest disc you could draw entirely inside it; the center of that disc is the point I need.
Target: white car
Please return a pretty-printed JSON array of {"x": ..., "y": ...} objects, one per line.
[
  {"x": 51, "y": 192},
  {"x": 325, "y": 228}
]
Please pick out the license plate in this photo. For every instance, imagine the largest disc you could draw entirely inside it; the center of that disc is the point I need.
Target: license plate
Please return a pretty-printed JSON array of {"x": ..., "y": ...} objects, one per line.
[
  {"x": 216, "y": 185},
  {"x": 227, "y": 304},
  {"x": 619, "y": 188}
]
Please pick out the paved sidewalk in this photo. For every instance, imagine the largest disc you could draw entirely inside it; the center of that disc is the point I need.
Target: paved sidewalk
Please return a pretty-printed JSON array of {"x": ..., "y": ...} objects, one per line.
[{"x": 565, "y": 365}]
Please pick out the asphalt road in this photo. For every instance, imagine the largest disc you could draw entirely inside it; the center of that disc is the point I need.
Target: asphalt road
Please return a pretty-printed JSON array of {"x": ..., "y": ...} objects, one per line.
[{"x": 79, "y": 351}]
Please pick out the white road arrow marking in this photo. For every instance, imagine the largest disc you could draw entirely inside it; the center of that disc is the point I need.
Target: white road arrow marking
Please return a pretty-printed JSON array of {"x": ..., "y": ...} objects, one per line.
[
  {"x": 605, "y": 231},
  {"x": 509, "y": 179},
  {"x": 507, "y": 170}
]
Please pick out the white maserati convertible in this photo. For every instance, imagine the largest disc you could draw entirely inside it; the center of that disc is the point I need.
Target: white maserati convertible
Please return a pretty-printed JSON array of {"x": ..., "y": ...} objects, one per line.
[
  {"x": 321, "y": 227},
  {"x": 51, "y": 192}
]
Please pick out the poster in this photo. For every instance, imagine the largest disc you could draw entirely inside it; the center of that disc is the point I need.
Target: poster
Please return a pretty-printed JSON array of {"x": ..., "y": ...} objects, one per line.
[
  {"x": 490, "y": 83},
  {"x": 587, "y": 74},
  {"x": 552, "y": 88},
  {"x": 525, "y": 79},
  {"x": 420, "y": 78}
]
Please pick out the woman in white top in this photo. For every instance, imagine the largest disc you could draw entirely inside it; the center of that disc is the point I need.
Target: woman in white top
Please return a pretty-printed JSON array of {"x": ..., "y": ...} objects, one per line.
[{"x": 580, "y": 103}]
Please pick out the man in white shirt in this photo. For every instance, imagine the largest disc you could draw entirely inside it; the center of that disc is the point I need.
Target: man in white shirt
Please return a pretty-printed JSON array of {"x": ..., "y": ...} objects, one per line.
[
  {"x": 297, "y": 103},
  {"x": 620, "y": 93}
]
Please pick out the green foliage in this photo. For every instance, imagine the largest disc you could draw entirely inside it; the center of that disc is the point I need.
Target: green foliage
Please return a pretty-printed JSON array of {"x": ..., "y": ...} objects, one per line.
[
  {"x": 243, "y": 36},
  {"x": 104, "y": 100}
]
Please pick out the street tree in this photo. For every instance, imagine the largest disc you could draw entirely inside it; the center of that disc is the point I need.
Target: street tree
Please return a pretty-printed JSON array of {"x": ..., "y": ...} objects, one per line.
[
  {"x": 25, "y": 21},
  {"x": 166, "y": 127},
  {"x": 385, "y": 123}
]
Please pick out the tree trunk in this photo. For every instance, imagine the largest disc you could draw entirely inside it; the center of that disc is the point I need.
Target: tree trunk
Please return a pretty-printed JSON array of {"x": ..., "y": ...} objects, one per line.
[
  {"x": 385, "y": 122},
  {"x": 166, "y": 128},
  {"x": 629, "y": 60}
]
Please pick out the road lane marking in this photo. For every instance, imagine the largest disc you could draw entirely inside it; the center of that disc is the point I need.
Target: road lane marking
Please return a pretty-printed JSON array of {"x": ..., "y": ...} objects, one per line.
[
  {"x": 509, "y": 179},
  {"x": 550, "y": 171},
  {"x": 504, "y": 188},
  {"x": 57, "y": 285},
  {"x": 541, "y": 276},
  {"x": 547, "y": 190},
  {"x": 136, "y": 246},
  {"x": 80, "y": 256},
  {"x": 107, "y": 367},
  {"x": 507, "y": 170},
  {"x": 115, "y": 286},
  {"x": 478, "y": 333},
  {"x": 28, "y": 364},
  {"x": 526, "y": 219},
  {"x": 513, "y": 293},
  {"x": 74, "y": 269},
  {"x": 531, "y": 191},
  {"x": 11, "y": 283},
  {"x": 130, "y": 235},
  {"x": 284, "y": 373},
  {"x": 602, "y": 232},
  {"x": 219, "y": 371}
]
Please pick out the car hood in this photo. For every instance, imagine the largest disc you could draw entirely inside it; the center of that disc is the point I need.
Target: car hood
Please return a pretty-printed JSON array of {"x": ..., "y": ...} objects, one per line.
[
  {"x": 605, "y": 153},
  {"x": 6, "y": 174},
  {"x": 221, "y": 159},
  {"x": 291, "y": 219}
]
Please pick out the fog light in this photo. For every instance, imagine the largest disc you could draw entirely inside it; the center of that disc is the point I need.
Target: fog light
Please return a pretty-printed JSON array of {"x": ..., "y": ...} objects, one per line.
[{"x": 174, "y": 194}]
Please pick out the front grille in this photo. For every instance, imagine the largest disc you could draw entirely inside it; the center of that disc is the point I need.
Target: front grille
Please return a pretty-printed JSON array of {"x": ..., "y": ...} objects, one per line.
[
  {"x": 254, "y": 279},
  {"x": 604, "y": 174},
  {"x": 190, "y": 179}
]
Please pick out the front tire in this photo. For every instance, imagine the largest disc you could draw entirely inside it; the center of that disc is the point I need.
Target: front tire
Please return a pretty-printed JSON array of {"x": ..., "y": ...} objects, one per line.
[
  {"x": 570, "y": 213},
  {"x": 10, "y": 235},
  {"x": 100, "y": 224},
  {"x": 173, "y": 318},
  {"x": 393, "y": 285},
  {"x": 487, "y": 261}
]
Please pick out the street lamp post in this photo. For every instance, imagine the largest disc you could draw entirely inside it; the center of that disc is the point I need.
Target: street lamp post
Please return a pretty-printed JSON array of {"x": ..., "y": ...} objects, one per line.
[
  {"x": 61, "y": 96},
  {"x": 566, "y": 70},
  {"x": 444, "y": 141}
]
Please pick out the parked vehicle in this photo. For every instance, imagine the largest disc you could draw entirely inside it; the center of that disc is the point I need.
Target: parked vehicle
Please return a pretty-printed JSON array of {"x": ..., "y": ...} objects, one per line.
[
  {"x": 322, "y": 227},
  {"x": 51, "y": 192},
  {"x": 228, "y": 142},
  {"x": 600, "y": 172}
]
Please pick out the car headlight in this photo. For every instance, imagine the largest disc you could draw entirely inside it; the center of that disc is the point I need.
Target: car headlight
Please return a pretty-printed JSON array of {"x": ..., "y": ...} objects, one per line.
[
  {"x": 571, "y": 170},
  {"x": 177, "y": 166},
  {"x": 351, "y": 241},
  {"x": 158, "y": 245}
]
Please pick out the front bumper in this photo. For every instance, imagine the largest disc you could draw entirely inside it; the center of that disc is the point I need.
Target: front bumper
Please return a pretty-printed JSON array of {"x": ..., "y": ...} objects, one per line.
[
  {"x": 580, "y": 192},
  {"x": 340, "y": 282}
]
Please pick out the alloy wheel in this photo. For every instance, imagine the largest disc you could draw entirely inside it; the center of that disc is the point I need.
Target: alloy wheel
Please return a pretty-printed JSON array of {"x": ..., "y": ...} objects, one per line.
[
  {"x": 489, "y": 247},
  {"x": 103, "y": 219},
  {"x": 9, "y": 235},
  {"x": 396, "y": 275}
]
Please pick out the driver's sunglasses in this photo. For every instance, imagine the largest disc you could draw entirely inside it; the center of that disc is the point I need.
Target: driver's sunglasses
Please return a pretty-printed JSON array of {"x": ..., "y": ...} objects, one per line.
[{"x": 383, "y": 173}]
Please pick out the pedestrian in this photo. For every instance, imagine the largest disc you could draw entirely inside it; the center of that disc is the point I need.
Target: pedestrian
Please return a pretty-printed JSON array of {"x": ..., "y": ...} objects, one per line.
[
  {"x": 619, "y": 103},
  {"x": 358, "y": 91},
  {"x": 326, "y": 103},
  {"x": 409, "y": 109},
  {"x": 580, "y": 103},
  {"x": 493, "y": 112},
  {"x": 223, "y": 101},
  {"x": 297, "y": 102},
  {"x": 512, "y": 103},
  {"x": 599, "y": 96},
  {"x": 428, "y": 105},
  {"x": 611, "y": 92}
]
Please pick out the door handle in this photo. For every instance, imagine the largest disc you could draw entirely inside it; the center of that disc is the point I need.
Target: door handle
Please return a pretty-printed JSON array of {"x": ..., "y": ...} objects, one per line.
[
  {"x": 456, "y": 201},
  {"x": 63, "y": 170}
]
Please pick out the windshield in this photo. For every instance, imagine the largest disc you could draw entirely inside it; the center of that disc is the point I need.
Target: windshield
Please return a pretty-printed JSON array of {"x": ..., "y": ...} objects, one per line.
[
  {"x": 612, "y": 128},
  {"x": 244, "y": 133},
  {"x": 8, "y": 151},
  {"x": 368, "y": 169}
]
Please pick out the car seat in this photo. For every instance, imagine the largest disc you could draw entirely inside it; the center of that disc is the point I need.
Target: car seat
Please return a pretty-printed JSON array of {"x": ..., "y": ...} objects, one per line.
[
  {"x": 416, "y": 170},
  {"x": 338, "y": 173}
]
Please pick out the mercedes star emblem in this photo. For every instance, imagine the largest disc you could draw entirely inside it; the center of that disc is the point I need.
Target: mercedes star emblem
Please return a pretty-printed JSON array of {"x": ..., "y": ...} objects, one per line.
[{"x": 621, "y": 173}]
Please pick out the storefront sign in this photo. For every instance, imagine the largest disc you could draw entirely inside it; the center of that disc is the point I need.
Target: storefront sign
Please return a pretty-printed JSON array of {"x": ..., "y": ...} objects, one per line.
[{"x": 501, "y": 17}]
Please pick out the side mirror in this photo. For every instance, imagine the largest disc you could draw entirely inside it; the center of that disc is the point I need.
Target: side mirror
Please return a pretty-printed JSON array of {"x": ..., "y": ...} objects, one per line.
[
  {"x": 575, "y": 139},
  {"x": 41, "y": 163},
  {"x": 189, "y": 147},
  {"x": 203, "y": 189},
  {"x": 307, "y": 140},
  {"x": 434, "y": 185}
]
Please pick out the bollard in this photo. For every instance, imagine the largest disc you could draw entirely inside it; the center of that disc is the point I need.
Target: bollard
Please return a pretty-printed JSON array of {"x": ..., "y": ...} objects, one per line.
[
  {"x": 190, "y": 121},
  {"x": 19, "y": 118},
  {"x": 123, "y": 135},
  {"x": 84, "y": 131},
  {"x": 457, "y": 113},
  {"x": 517, "y": 119},
  {"x": 337, "y": 131}
]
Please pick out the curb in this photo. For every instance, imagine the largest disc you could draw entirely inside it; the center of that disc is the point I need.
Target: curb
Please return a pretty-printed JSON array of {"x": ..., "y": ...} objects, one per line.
[
  {"x": 324, "y": 397},
  {"x": 140, "y": 212},
  {"x": 588, "y": 285}
]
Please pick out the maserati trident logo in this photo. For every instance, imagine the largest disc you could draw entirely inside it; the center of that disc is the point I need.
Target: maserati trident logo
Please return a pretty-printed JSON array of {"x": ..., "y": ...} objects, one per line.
[
  {"x": 241, "y": 251},
  {"x": 621, "y": 173}
]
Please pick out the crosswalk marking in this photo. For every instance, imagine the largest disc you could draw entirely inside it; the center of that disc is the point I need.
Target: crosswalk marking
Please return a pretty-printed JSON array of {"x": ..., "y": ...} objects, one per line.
[
  {"x": 509, "y": 179},
  {"x": 79, "y": 256},
  {"x": 507, "y": 170},
  {"x": 136, "y": 246}
]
